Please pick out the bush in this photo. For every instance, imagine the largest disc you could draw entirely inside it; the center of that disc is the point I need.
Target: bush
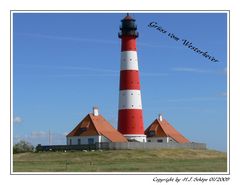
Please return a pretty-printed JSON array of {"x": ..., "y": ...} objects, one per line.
[{"x": 22, "y": 146}]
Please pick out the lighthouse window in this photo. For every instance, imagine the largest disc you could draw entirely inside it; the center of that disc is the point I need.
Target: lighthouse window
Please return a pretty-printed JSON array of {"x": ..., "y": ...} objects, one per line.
[
  {"x": 132, "y": 105},
  {"x": 131, "y": 93}
]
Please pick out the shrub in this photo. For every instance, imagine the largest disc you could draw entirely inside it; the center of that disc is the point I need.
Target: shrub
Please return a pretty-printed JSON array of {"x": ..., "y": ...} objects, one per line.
[{"x": 22, "y": 146}]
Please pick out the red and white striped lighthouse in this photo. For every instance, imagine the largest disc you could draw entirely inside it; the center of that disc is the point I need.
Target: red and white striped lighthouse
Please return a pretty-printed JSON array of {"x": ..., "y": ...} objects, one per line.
[{"x": 130, "y": 118}]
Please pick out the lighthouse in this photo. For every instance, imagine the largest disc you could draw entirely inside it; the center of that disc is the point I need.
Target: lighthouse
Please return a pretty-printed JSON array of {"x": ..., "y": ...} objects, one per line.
[{"x": 130, "y": 116}]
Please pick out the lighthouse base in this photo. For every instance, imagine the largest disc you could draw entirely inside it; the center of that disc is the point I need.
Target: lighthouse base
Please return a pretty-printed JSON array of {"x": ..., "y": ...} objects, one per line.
[{"x": 136, "y": 137}]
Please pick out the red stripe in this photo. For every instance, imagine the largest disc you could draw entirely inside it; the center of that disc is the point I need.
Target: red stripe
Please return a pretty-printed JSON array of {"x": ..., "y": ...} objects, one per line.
[
  {"x": 129, "y": 43},
  {"x": 130, "y": 121},
  {"x": 129, "y": 79}
]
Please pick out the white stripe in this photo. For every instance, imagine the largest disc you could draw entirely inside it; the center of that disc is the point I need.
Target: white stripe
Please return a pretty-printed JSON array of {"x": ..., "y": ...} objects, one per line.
[
  {"x": 129, "y": 60},
  {"x": 130, "y": 99}
]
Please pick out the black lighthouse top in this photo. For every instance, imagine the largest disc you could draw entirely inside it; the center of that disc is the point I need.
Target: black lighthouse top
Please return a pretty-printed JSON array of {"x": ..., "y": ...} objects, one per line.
[{"x": 128, "y": 27}]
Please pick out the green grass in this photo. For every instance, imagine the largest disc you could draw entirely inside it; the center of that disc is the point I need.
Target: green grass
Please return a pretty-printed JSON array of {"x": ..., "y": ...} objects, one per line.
[{"x": 164, "y": 160}]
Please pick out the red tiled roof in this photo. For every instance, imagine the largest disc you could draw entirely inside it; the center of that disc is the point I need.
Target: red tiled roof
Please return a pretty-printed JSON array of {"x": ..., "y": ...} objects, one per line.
[
  {"x": 84, "y": 128},
  {"x": 97, "y": 125},
  {"x": 163, "y": 129}
]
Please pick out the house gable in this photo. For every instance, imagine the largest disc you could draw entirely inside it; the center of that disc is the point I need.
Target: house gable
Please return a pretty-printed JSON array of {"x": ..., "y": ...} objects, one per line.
[
  {"x": 155, "y": 130},
  {"x": 96, "y": 125},
  {"x": 165, "y": 129},
  {"x": 84, "y": 128}
]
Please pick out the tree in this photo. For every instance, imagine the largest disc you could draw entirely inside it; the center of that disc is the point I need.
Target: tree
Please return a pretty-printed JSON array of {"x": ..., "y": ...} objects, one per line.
[{"x": 22, "y": 146}]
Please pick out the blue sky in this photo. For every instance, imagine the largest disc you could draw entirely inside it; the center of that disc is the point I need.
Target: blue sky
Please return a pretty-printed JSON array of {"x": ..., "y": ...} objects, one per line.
[{"x": 66, "y": 63}]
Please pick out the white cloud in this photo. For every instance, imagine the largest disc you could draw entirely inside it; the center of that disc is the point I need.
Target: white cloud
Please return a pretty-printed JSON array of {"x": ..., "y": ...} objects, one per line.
[
  {"x": 196, "y": 70},
  {"x": 225, "y": 70},
  {"x": 91, "y": 40},
  {"x": 74, "y": 71},
  {"x": 42, "y": 137},
  {"x": 223, "y": 94},
  {"x": 154, "y": 74},
  {"x": 37, "y": 134},
  {"x": 70, "y": 71},
  {"x": 66, "y": 38},
  {"x": 157, "y": 45},
  {"x": 17, "y": 120},
  {"x": 187, "y": 69},
  {"x": 192, "y": 99}
]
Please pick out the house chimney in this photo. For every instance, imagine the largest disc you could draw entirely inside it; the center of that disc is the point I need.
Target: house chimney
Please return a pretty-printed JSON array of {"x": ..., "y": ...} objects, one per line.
[
  {"x": 95, "y": 111},
  {"x": 160, "y": 117}
]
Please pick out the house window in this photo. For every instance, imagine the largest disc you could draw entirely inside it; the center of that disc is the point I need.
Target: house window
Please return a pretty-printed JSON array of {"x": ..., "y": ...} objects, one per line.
[
  {"x": 159, "y": 140},
  {"x": 151, "y": 133},
  {"x": 79, "y": 141},
  {"x": 149, "y": 140},
  {"x": 70, "y": 141},
  {"x": 90, "y": 141},
  {"x": 83, "y": 129}
]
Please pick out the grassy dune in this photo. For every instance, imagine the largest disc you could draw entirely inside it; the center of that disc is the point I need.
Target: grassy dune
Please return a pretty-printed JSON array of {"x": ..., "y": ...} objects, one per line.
[{"x": 164, "y": 160}]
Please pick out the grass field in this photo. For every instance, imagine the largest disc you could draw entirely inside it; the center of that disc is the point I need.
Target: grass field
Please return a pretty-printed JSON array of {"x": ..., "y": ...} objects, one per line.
[{"x": 164, "y": 160}]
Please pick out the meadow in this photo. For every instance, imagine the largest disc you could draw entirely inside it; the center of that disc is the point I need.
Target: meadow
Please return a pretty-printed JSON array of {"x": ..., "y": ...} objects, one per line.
[{"x": 162, "y": 160}]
